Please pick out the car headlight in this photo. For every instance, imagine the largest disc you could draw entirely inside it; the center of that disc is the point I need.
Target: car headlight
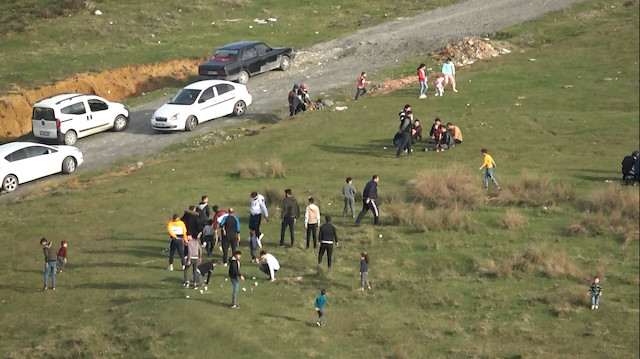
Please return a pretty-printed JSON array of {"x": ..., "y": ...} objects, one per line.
[{"x": 174, "y": 117}]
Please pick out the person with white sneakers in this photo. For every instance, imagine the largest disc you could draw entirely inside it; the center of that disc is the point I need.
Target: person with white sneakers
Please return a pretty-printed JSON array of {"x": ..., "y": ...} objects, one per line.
[
  {"x": 269, "y": 265},
  {"x": 258, "y": 208}
]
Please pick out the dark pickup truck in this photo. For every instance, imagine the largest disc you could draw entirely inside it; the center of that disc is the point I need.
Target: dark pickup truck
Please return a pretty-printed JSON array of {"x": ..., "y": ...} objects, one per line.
[{"x": 240, "y": 60}]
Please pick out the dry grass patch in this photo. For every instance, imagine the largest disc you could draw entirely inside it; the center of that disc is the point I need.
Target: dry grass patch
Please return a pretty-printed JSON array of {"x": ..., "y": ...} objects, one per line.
[
  {"x": 449, "y": 187},
  {"x": 537, "y": 261},
  {"x": 418, "y": 217},
  {"x": 532, "y": 190},
  {"x": 253, "y": 170},
  {"x": 514, "y": 219},
  {"x": 613, "y": 211}
]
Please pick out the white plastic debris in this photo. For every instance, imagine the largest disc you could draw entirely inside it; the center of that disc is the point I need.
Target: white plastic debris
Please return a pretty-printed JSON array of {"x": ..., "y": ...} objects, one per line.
[
  {"x": 244, "y": 289},
  {"x": 97, "y": 12}
]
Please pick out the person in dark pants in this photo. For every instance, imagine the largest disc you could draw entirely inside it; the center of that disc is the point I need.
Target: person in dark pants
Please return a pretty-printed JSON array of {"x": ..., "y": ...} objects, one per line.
[
  {"x": 328, "y": 237},
  {"x": 258, "y": 208},
  {"x": 369, "y": 198},
  {"x": 178, "y": 233},
  {"x": 290, "y": 213},
  {"x": 230, "y": 234},
  {"x": 190, "y": 219},
  {"x": 234, "y": 275},
  {"x": 405, "y": 130},
  {"x": 312, "y": 221}
]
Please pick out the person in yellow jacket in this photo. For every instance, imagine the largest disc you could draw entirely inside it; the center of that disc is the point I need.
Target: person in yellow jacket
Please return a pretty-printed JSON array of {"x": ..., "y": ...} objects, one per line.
[
  {"x": 488, "y": 164},
  {"x": 178, "y": 233}
]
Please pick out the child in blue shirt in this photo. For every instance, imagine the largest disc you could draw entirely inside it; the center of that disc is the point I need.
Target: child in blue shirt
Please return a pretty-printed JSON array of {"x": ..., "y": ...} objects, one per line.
[{"x": 321, "y": 300}]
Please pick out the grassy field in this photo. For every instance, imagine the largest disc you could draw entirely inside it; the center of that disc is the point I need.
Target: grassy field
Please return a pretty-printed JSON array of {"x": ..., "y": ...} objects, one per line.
[
  {"x": 491, "y": 275},
  {"x": 43, "y": 43}
]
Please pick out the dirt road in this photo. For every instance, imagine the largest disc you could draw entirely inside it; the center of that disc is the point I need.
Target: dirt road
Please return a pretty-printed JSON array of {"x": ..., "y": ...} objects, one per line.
[{"x": 328, "y": 65}]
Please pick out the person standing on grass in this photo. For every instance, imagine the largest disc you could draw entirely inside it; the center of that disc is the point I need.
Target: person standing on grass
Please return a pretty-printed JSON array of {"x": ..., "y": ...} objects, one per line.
[
  {"x": 204, "y": 214},
  {"x": 449, "y": 72},
  {"x": 488, "y": 164},
  {"x": 364, "y": 271},
  {"x": 349, "y": 194},
  {"x": 369, "y": 198},
  {"x": 328, "y": 237},
  {"x": 178, "y": 233},
  {"x": 258, "y": 208},
  {"x": 230, "y": 234},
  {"x": 312, "y": 222},
  {"x": 190, "y": 219},
  {"x": 438, "y": 84},
  {"x": 218, "y": 214},
  {"x": 422, "y": 78},
  {"x": 362, "y": 81},
  {"x": 62, "y": 256},
  {"x": 254, "y": 244},
  {"x": 290, "y": 213},
  {"x": 595, "y": 291},
  {"x": 194, "y": 257},
  {"x": 207, "y": 236},
  {"x": 405, "y": 131},
  {"x": 319, "y": 304},
  {"x": 49, "y": 263},
  {"x": 234, "y": 276},
  {"x": 269, "y": 265}
]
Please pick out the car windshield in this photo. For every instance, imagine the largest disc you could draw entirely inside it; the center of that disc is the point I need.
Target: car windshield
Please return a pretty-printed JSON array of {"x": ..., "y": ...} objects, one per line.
[
  {"x": 185, "y": 97},
  {"x": 224, "y": 55}
]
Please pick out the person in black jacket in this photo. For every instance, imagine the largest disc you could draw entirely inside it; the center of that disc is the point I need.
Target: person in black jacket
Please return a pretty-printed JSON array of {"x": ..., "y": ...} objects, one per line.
[
  {"x": 405, "y": 131},
  {"x": 190, "y": 219},
  {"x": 205, "y": 268},
  {"x": 369, "y": 198},
  {"x": 290, "y": 213},
  {"x": 328, "y": 237},
  {"x": 234, "y": 275}
]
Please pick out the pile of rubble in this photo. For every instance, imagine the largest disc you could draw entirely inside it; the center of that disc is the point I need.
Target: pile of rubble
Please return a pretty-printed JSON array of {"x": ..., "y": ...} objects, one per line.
[{"x": 468, "y": 51}]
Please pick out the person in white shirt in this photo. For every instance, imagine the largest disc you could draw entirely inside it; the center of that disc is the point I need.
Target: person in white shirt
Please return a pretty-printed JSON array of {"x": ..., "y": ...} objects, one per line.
[
  {"x": 269, "y": 265},
  {"x": 258, "y": 208}
]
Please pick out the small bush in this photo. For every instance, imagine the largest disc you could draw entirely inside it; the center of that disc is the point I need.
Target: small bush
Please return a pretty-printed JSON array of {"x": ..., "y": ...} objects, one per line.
[
  {"x": 274, "y": 169},
  {"x": 537, "y": 261},
  {"x": 272, "y": 196},
  {"x": 250, "y": 170},
  {"x": 514, "y": 219},
  {"x": 612, "y": 211},
  {"x": 448, "y": 187},
  {"x": 421, "y": 219},
  {"x": 534, "y": 191},
  {"x": 253, "y": 170}
]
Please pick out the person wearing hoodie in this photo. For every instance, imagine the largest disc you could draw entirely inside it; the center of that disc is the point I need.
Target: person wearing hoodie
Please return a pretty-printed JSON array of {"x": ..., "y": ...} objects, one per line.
[
  {"x": 50, "y": 260},
  {"x": 190, "y": 219},
  {"x": 194, "y": 258}
]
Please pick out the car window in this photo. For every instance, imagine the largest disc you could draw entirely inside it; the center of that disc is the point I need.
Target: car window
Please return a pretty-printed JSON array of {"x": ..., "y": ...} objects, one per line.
[
  {"x": 224, "y": 55},
  {"x": 97, "y": 105},
  {"x": 34, "y": 151},
  {"x": 18, "y": 155},
  {"x": 185, "y": 97},
  {"x": 206, "y": 95},
  {"x": 223, "y": 88},
  {"x": 249, "y": 54},
  {"x": 75, "y": 109},
  {"x": 262, "y": 49},
  {"x": 43, "y": 113}
]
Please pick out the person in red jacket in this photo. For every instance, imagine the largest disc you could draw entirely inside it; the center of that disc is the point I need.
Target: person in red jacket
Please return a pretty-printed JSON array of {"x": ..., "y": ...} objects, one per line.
[
  {"x": 62, "y": 256},
  {"x": 422, "y": 77}
]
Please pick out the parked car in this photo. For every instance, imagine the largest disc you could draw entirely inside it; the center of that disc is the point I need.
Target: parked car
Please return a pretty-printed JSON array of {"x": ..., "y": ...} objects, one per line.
[
  {"x": 22, "y": 162},
  {"x": 67, "y": 117},
  {"x": 199, "y": 102},
  {"x": 239, "y": 60}
]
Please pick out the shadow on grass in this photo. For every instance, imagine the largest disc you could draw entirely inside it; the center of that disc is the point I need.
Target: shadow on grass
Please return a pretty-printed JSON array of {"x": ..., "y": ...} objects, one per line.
[
  {"x": 138, "y": 251},
  {"x": 372, "y": 149},
  {"x": 289, "y": 319}
]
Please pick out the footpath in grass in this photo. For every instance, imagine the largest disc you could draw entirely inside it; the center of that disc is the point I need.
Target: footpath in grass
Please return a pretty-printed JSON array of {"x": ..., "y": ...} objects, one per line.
[{"x": 505, "y": 274}]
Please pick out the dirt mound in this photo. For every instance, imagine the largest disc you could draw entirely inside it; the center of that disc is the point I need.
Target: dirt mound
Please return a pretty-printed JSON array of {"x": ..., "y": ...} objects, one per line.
[{"x": 114, "y": 85}]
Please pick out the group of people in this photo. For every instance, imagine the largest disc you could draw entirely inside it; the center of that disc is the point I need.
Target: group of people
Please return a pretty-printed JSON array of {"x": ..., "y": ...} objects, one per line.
[
  {"x": 441, "y": 79},
  {"x": 442, "y": 137}
]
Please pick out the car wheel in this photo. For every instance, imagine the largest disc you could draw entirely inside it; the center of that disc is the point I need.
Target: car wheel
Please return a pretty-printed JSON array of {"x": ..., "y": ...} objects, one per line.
[
  {"x": 191, "y": 124},
  {"x": 70, "y": 138},
  {"x": 239, "y": 108},
  {"x": 119, "y": 123},
  {"x": 285, "y": 63},
  {"x": 10, "y": 183},
  {"x": 243, "y": 77},
  {"x": 69, "y": 164}
]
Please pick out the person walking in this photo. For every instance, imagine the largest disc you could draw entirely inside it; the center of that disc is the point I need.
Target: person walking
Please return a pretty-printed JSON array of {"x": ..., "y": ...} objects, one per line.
[
  {"x": 369, "y": 198},
  {"x": 194, "y": 257},
  {"x": 312, "y": 221},
  {"x": 362, "y": 81},
  {"x": 449, "y": 72},
  {"x": 349, "y": 194},
  {"x": 234, "y": 276},
  {"x": 230, "y": 234},
  {"x": 328, "y": 238},
  {"x": 178, "y": 233},
  {"x": 422, "y": 78},
  {"x": 364, "y": 271},
  {"x": 289, "y": 214},
  {"x": 488, "y": 164},
  {"x": 318, "y": 305},
  {"x": 258, "y": 208},
  {"x": 50, "y": 260}
]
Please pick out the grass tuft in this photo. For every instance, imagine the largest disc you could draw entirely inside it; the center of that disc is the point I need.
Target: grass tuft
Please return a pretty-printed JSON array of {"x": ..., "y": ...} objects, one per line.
[
  {"x": 614, "y": 211},
  {"x": 253, "y": 170},
  {"x": 449, "y": 187},
  {"x": 514, "y": 219},
  {"x": 533, "y": 191},
  {"x": 537, "y": 261}
]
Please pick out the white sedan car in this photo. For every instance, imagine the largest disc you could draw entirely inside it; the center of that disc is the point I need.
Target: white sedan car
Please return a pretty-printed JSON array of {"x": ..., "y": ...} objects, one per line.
[
  {"x": 22, "y": 162},
  {"x": 199, "y": 102}
]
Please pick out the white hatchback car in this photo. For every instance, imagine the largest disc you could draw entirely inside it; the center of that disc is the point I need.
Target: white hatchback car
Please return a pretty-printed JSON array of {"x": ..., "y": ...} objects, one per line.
[
  {"x": 67, "y": 117},
  {"x": 199, "y": 102},
  {"x": 22, "y": 162}
]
